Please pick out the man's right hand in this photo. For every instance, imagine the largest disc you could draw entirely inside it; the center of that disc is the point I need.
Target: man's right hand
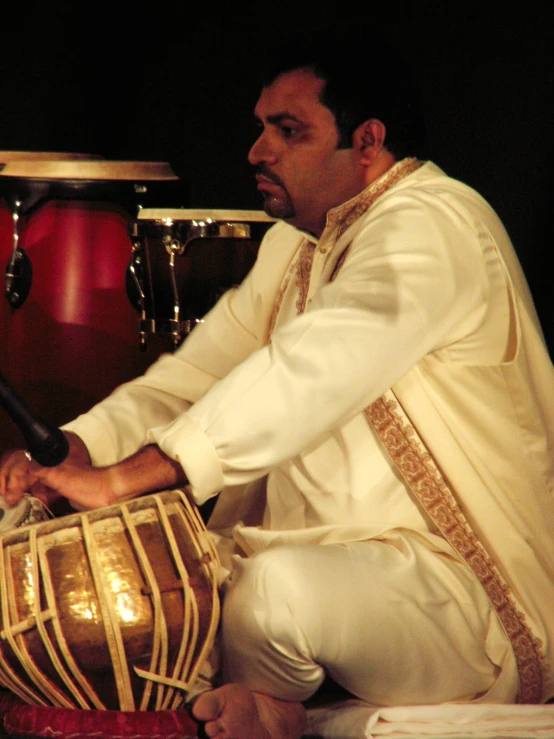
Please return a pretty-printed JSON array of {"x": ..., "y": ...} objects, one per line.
[{"x": 18, "y": 473}]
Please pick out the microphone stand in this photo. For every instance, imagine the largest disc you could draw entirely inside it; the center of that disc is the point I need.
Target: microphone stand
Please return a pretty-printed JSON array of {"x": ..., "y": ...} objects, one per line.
[{"x": 46, "y": 444}]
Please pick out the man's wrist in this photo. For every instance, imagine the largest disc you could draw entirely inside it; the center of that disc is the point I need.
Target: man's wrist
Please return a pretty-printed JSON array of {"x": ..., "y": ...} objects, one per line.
[
  {"x": 78, "y": 450},
  {"x": 147, "y": 471}
]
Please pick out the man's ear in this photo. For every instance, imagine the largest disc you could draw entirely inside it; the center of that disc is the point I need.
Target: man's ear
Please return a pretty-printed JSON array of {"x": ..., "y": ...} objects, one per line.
[{"x": 369, "y": 140}]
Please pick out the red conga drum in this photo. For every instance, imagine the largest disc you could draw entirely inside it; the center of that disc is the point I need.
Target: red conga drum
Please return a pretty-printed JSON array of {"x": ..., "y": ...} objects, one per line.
[
  {"x": 70, "y": 336},
  {"x": 6, "y": 215}
]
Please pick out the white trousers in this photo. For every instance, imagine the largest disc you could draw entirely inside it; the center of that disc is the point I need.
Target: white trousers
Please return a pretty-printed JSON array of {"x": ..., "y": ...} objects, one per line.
[{"x": 392, "y": 622}]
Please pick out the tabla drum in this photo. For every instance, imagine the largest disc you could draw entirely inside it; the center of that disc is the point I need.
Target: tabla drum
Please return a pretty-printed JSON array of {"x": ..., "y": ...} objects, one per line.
[
  {"x": 73, "y": 338},
  {"x": 112, "y": 609},
  {"x": 184, "y": 259}
]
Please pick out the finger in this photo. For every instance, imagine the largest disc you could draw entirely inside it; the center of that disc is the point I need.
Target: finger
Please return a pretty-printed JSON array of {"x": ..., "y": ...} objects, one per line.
[
  {"x": 17, "y": 481},
  {"x": 45, "y": 494}
]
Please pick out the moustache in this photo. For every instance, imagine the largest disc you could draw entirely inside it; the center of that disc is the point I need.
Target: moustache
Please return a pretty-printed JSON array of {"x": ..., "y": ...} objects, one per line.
[{"x": 265, "y": 172}]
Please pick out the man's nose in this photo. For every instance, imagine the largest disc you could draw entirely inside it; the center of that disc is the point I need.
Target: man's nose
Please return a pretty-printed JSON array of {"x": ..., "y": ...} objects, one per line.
[{"x": 262, "y": 151}]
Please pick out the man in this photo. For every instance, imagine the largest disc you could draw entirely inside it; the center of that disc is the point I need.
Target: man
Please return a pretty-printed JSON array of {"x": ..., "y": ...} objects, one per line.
[{"x": 373, "y": 405}]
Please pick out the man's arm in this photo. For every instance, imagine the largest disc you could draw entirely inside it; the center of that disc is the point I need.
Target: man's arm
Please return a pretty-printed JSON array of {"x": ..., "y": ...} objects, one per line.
[
  {"x": 146, "y": 471},
  {"x": 117, "y": 427},
  {"x": 17, "y": 472},
  {"x": 84, "y": 485}
]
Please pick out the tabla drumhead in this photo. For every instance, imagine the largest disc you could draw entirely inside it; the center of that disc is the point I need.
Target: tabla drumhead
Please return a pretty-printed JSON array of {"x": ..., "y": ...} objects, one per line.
[{"x": 28, "y": 510}]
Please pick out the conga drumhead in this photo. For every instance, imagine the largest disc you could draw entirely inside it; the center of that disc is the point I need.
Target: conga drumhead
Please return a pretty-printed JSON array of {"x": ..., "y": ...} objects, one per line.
[
  {"x": 14, "y": 156},
  {"x": 24, "y": 184},
  {"x": 87, "y": 170}
]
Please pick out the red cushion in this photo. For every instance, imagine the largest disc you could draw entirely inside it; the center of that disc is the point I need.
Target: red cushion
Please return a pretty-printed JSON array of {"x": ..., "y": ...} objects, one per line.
[
  {"x": 7, "y": 700},
  {"x": 23, "y": 720}
]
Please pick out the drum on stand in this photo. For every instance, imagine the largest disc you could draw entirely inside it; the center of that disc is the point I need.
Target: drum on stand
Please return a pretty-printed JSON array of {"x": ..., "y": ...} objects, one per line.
[
  {"x": 112, "y": 609},
  {"x": 68, "y": 335},
  {"x": 6, "y": 215},
  {"x": 184, "y": 260}
]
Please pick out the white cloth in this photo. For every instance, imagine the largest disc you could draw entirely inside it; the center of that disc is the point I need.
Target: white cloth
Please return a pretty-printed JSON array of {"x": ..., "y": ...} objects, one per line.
[{"x": 357, "y": 720}]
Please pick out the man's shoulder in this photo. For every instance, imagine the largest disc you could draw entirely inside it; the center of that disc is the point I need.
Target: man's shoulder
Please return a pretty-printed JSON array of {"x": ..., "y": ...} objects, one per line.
[
  {"x": 431, "y": 186},
  {"x": 434, "y": 179}
]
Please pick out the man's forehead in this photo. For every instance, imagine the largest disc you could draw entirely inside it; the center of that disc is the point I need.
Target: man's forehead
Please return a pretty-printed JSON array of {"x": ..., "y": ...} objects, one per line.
[{"x": 296, "y": 93}]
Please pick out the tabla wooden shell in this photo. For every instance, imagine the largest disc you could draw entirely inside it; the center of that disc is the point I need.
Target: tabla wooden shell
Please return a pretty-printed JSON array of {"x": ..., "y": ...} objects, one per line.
[{"x": 115, "y": 608}]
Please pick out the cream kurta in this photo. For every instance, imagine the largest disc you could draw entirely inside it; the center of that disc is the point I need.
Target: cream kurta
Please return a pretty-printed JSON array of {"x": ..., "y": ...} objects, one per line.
[{"x": 430, "y": 302}]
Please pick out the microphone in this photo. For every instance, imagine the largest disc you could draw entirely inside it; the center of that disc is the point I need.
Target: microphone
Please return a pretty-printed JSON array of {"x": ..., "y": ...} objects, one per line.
[{"x": 46, "y": 444}]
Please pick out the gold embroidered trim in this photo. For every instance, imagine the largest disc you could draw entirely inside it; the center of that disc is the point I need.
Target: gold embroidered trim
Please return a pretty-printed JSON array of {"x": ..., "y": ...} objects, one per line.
[
  {"x": 300, "y": 265},
  {"x": 303, "y": 270},
  {"x": 345, "y": 215},
  {"x": 420, "y": 472},
  {"x": 350, "y": 212}
]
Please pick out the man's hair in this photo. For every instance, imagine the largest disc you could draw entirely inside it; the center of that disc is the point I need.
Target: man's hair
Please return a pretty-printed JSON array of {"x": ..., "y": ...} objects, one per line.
[{"x": 365, "y": 77}]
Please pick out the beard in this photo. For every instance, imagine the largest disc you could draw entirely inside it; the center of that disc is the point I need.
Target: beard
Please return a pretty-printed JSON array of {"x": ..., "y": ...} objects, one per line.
[{"x": 277, "y": 205}]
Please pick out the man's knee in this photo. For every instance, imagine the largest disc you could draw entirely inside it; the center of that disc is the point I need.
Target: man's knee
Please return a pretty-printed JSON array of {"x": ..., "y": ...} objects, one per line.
[
  {"x": 265, "y": 579},
  {"x": 263, "y": 640},
  {"x": 263, "y": 595}
]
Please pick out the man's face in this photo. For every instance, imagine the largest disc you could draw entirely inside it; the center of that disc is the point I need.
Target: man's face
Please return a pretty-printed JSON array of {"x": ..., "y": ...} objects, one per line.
[{"x": 301, "y": 173}]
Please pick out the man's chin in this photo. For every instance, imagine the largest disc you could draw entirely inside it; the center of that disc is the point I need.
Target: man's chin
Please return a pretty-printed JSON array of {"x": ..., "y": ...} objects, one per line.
[{"x": 277, "y": 208}]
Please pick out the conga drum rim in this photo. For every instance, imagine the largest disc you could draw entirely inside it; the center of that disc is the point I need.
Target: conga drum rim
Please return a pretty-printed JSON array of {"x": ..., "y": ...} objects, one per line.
[
  {"x": 203, "y": 214},
  {"x": 87, "y": 170},
  {"x": 15, "y": 156}
]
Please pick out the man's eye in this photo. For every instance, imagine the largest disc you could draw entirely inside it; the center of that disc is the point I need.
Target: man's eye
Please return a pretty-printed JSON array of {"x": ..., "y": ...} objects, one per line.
[{"x": 288, "y": 131}]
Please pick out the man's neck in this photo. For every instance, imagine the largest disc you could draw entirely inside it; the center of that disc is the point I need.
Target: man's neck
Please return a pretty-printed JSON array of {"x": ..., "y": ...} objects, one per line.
[{"x": 381, "y": 164}]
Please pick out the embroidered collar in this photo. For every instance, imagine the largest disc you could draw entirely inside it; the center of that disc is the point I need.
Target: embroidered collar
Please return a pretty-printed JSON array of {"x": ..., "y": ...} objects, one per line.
[{"x": 343, "y": 216}]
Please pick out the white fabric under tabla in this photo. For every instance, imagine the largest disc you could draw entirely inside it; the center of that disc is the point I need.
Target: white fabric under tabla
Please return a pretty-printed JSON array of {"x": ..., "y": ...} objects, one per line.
[{"x": 356, "y": 720}]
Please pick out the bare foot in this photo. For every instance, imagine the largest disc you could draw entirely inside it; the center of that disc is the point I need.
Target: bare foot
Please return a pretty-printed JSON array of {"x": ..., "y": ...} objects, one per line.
[{"x": 235, "y": 712}]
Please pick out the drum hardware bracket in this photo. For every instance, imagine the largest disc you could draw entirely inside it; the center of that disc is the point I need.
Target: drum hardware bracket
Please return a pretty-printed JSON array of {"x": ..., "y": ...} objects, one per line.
[
  {"x": 19, "y": 270},
  {"x": 139, "y": 299},
  {"x": 174, "y": 246},
  {"x": 18, "y": 278}
]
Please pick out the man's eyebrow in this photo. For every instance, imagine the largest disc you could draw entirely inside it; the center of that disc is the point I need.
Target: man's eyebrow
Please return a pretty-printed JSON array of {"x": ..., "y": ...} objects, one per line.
[{"x": 276, "y": 118}]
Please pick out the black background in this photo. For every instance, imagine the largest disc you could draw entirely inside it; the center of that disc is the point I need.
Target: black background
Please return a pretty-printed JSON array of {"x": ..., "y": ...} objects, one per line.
[{"x": 176, "y": 82}]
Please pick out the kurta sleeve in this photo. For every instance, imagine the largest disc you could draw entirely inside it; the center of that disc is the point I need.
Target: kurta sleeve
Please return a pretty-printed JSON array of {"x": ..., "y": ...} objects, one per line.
[{"x": 237, "y": 325}]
